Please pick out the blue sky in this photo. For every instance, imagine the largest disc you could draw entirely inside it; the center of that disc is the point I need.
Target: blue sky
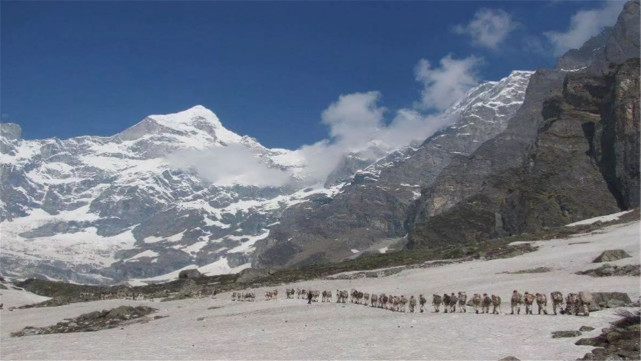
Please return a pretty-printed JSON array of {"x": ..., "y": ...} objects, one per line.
[{"x": 267, "y": 69}]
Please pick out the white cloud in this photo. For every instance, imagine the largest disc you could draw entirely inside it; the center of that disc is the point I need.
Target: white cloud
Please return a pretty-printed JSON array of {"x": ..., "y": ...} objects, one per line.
[
  {"x": 229, "y": 165},
  {"x": 583, "y": 25},
  {"x": 445, "y": 85},
  {"x": 356, "y": 125},
  {"x": 488, "y": 28},
  {"x": 354, "y": 117},
  {"x": 355, "y": 121}
]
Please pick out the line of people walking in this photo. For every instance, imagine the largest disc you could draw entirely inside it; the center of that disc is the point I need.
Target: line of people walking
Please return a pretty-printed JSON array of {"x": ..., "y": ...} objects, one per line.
[{"x": 575, "y": 303}]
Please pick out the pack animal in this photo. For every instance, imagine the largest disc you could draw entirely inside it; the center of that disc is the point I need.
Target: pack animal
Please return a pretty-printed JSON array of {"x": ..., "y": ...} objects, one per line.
[
  {"x": 541, "y": 303},
  {"x": 557, "y": 301},
  {"x": 453, "y": 302},
  {"x": 446, "y": 302},
  {"x": 476, "y": 302},
  {"x": 528, "y": 298},
  {"x": 496, "y": 305},
  {"x": 516, "y": 301},
  {"x": 462, "y": 301},
  {"x": 436, "y": 302},
  {"x": 485, "y": 303}
]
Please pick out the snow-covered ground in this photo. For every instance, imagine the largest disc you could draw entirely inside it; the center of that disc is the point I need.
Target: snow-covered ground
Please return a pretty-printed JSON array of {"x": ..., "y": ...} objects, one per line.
[
  {"x": 291, "y": 329},
  {"x": 16, "y": 297},
  {"x": 606, "y": 218}
]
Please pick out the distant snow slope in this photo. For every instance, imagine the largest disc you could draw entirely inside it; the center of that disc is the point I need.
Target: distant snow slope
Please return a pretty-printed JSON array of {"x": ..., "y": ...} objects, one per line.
[
  {"x": 291, "y": 329},
  {"x": 15, "y": 297}
]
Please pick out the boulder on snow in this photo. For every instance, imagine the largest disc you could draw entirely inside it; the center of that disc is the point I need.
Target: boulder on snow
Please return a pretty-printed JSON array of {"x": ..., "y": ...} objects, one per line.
[
  {"x": 619, "y": 342},
  {"x": 252, "y": 274},
  {"x": 611, "y": 255},
  {"x": 609, "y": 300},
  {"x": 189, "y": 274},
  {"x": 592, "y": 341},
  {"x": 509, "y": 358},
  {"x": 559, "y": 334},
  {"x": 608, "y": 270}
]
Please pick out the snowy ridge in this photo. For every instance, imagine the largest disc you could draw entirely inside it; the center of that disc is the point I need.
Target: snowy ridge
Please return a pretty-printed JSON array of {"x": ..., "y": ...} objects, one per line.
[
  {"x": 482, "y": 113},
  {"x": 496, "y": 95}
]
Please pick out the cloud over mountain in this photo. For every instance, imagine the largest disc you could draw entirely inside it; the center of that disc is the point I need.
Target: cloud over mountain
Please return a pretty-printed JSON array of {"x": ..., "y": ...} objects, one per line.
[
  {"x": 357, "y": 122},
  {"x": 488, "y": 28},
  {"x": 231, "y": 165},
  {"x": 444, "y": 85},
  {"x": 583, "y": 25}
]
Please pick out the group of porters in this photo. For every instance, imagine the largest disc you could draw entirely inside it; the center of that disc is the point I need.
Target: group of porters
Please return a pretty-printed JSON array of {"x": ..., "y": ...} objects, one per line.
[{"x": 575, "y": 303}]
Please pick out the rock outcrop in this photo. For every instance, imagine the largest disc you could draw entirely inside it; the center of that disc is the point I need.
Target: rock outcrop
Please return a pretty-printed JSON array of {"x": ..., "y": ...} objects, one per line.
[
  {"x": 608, "y": 270},
  {"x": 562, "y": 334},
  {"x": 189, "y": 274},
  {"x": 560, "y": 175},
  {"x": 369, "y": 212},
  {"x": 93, "y": 321},
  {"x": 571, "y": 152},
  {"x": 614, "y": 45},
  {"x": 610, "y": 299},
  {"x": 611, "y": 255},
  {"x": 619, "y": 342}
]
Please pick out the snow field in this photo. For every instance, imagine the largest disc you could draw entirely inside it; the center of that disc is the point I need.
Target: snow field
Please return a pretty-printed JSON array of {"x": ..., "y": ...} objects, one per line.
[
  {"x": 15, "y": 298},
  {"x": 291, "y": 329}
]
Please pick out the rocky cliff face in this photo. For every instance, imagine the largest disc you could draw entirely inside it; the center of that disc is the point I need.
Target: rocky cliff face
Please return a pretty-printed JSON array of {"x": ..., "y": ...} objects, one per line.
[
  {"x": 613, "y": 45},
  {"x": 566, "y": 155},
  {"x": 617, "y": 153},
  {"x": 466, "y": 176},
  {"x": 369, "y": 212}
]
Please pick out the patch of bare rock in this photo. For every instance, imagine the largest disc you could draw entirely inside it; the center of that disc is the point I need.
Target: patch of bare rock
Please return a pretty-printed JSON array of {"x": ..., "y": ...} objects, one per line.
[
  {"x": 611, "y": 255},
  {"x": 608, "y": 270},
  {"x": 93, "y": 321},
  {"x": 619, "y": 342}
]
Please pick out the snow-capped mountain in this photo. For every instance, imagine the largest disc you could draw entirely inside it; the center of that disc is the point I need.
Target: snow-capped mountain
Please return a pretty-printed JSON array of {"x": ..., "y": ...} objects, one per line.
[
  {"x": 104, "y": 209},
  {"x": 161, "y": 196},
  {"x": 479, "y": 116}
]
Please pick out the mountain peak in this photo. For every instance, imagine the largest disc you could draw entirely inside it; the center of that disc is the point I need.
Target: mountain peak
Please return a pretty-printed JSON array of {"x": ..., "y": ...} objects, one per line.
[
  {"x": 613, "y": 45},
  {"x": 10, "y": 131},
  {"x": 198, "y": 123},
  {"x": 189, "y": 116}
]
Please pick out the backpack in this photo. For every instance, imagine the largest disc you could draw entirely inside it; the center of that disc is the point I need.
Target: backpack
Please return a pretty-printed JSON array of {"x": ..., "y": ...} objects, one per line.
[{"x": 557, "y": 296}]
